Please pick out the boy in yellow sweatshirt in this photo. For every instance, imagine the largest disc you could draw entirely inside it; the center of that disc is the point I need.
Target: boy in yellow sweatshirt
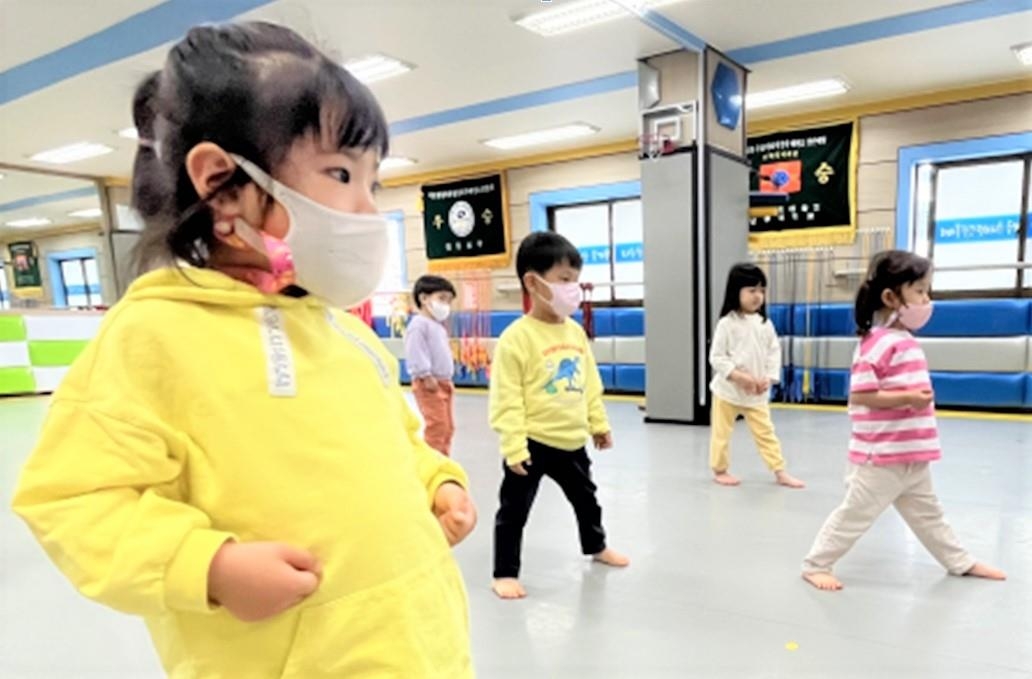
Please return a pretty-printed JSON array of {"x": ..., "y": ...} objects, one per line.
[{"x": 545, "y": 403}]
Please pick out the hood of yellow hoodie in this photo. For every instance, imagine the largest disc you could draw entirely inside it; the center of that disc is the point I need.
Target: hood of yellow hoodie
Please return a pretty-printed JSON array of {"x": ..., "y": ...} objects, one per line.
[{"x": 208, "y": 286}]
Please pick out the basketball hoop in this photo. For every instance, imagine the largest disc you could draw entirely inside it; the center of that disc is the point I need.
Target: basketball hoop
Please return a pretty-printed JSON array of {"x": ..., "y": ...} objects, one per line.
[{"x": 654, "y": 146}]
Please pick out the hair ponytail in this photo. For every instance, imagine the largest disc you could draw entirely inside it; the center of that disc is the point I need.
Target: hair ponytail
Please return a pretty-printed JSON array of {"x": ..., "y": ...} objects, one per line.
[{"x": 865, "y": 308}]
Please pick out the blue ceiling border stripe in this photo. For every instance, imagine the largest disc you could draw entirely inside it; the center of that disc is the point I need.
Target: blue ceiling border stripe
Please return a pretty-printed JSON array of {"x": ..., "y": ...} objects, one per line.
[
  {"x": 672, "y": 30},
  {"x": 32, "y": 201},
  {"x": 879, "y": 29},
  {"x": 551, "y": 95},
  {"x": 138, "y": 33}
]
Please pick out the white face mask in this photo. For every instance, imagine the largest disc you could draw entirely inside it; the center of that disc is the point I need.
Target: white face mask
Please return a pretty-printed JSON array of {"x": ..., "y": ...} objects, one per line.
[
  {"x": 339, "y": 256},
  {"x": 439, "y": 310}
]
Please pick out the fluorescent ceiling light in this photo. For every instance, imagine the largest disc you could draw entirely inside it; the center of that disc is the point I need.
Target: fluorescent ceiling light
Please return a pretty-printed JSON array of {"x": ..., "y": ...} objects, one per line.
[
  {"x": 88, "y": 213},
  {"x": 29, "y": 222},
  {"x": 395, "y": 162},
  {"x": 541, "y": 136},
  {"x": 376, "y": 67},
  {"x": 788, "y": 95},
  {"x": 72, "y": 153},
  {"x": 572, "y": 16},
  {"x": 129, "y": 133},
  {"x": 1023, "y": 53}
]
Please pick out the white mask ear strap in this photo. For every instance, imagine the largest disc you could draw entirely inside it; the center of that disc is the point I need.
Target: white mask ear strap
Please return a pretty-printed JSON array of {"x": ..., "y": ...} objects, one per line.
[{"x": 257, "y": 174}]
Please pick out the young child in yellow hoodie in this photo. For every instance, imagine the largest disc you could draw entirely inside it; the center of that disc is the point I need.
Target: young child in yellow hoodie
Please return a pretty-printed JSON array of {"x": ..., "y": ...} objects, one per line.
[
  {"x": 546, "y": 403},
  {"x": 232, "y": 457}
]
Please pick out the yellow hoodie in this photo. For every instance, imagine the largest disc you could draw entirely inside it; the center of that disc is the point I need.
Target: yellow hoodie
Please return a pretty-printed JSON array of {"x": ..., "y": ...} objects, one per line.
[{"x": 205, "y": 411}]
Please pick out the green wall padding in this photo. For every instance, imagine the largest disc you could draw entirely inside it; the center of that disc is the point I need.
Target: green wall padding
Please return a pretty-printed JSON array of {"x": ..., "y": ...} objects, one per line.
[
  {"x": 12, "y": 329},
  {"x": 17, "y": 381},
  {"x": 55, "y": 353}
]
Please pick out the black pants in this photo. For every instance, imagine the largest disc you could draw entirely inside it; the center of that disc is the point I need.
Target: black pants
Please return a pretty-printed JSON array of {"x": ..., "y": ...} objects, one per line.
[{"x": 572, "y": 471}]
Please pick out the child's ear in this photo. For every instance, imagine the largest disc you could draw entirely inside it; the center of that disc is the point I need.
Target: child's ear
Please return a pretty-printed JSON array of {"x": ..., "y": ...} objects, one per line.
[
  {"x": 889, "y": 299},
  {"x": 208, "y": 167}
]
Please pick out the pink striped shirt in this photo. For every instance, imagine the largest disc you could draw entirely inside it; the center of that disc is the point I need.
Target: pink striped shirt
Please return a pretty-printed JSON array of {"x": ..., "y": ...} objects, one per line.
[{"x": 891, "y": 360}]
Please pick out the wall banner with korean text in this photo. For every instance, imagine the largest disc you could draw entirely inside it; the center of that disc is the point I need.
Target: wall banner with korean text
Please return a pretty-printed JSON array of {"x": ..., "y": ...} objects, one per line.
[
  {"x": 815, "y": 169},
  {"x": 466, "y": 223}
]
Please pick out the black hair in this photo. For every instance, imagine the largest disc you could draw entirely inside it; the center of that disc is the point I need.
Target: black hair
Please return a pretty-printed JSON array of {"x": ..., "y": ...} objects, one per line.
[
  {"x": 541, "y": 251},
  {"x": 889, "y": 270},
  {"x": 428, "y": 285},
  {"x": 254, "y": 89},
  {"x": 744, "y": 275}
]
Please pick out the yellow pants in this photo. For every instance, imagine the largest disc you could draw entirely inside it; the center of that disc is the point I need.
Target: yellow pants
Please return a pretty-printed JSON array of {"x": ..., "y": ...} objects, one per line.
[{"x": 722, "y": 422}]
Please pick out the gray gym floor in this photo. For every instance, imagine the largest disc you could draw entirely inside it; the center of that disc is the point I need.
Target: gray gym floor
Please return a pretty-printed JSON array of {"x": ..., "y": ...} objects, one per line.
[{"x": 713, "y": 589}]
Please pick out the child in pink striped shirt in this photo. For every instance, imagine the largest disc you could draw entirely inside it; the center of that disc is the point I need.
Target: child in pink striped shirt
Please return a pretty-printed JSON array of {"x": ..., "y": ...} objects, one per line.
[{"x": 895, "y": 436}]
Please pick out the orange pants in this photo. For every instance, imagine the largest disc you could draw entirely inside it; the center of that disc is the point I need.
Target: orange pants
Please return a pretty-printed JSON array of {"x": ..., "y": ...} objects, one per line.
[{"x": 436, "y": 407}]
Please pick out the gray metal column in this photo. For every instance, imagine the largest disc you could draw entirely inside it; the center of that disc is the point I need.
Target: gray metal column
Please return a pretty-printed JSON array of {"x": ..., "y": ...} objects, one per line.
[{"x": 695, "y": 192}]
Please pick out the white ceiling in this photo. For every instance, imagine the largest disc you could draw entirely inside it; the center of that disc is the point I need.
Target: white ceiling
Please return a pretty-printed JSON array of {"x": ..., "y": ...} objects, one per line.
[{"x": 470, "y": 51}]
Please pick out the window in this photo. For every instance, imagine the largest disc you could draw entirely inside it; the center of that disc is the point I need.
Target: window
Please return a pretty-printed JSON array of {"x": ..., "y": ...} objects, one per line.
[
  {"x": 395, "y": 274},
  {"x": 5, "y": 295},
  {"x": 75, "y": 279},
  {"x": 971, "y": 214},
  {"x": 609, "y": 238}
]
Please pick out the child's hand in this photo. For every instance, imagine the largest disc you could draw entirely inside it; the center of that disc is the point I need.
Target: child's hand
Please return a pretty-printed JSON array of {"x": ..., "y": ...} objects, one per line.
[
  {"x": 743, "y": 380},
  {"x": 762, "y": 386},
  {"x": 257, "y": 580},
  {"x": 455, "y": 511},
  {"x": 920, "y": 399},
  {"x": 519, "y": 469},
  {"x": 603, "y": 441}
]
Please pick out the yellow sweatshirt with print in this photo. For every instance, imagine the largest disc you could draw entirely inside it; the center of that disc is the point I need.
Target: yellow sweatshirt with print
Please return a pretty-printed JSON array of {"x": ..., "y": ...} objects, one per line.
[
  {"x": 205, "y": 411},
  {"x": 545, "y": 386}
]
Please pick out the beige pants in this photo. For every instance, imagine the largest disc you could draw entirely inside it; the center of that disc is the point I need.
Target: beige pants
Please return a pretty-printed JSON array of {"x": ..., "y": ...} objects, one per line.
[
  {"x": 871, "y": 489},
  {"x": 722, "y": 425}
]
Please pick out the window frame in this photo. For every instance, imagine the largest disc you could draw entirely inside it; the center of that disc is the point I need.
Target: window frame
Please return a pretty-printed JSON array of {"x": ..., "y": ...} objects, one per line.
[
  {"x": 1019, "y": 289},
  {"x": 58, "y": 288},
  {"x": 611, "y": 302}
]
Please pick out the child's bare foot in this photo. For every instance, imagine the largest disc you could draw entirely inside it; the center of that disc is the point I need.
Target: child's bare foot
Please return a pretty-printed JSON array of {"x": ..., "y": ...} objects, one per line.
[
  {"x": 980, "y": 570},
  {"x": 611, "y": 558},
  {"x": 824, "y": 581},
  {"x": 786, "y": 479},
  {"x": 725, "y": 479},
  {"x": 508, "y": 588}
]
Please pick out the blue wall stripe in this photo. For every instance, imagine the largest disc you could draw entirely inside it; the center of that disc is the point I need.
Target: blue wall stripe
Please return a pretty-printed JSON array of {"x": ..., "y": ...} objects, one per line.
[
  {"x": 910, "y": 157},
  {"x": 32, "y": 201},
  {"x": 542, "y": 200},
  {"x": 878, "y": 29},
  {"x": 493, "y": 107},
  {"x": 138, "y": 33}
]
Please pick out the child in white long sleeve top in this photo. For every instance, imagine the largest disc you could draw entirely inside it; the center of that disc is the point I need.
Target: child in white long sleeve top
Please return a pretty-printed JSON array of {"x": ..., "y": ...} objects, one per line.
[{"x": 746, "y": 361}]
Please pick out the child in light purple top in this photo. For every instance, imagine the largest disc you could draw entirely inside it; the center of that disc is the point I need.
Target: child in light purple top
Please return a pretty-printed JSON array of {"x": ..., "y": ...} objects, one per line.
[{"x": 429, "y": 359}]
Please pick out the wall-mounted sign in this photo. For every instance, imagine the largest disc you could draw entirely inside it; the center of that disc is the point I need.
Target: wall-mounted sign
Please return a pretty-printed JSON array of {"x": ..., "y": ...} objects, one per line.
[
  {"x": 815, "y": 170},
  {"x": 25, "y": 266},
  {"x": 466, "y": 223}
]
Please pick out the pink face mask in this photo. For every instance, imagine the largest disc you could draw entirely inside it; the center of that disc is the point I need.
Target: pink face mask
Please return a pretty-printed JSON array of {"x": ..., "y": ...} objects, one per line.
[
  {"x": 914, "y": 316},
  {"x": 566, "y": 297},
  {"x": 281, "y": 264}
]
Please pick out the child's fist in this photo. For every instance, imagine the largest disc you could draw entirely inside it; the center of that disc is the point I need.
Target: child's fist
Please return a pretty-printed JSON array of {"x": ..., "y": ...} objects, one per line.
[
  {"x": 455, "y": 511},
  {"x": 257, "y": 580},
  {"x": 921, "y": 399},
  {"x": 603, "y": 441}
]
